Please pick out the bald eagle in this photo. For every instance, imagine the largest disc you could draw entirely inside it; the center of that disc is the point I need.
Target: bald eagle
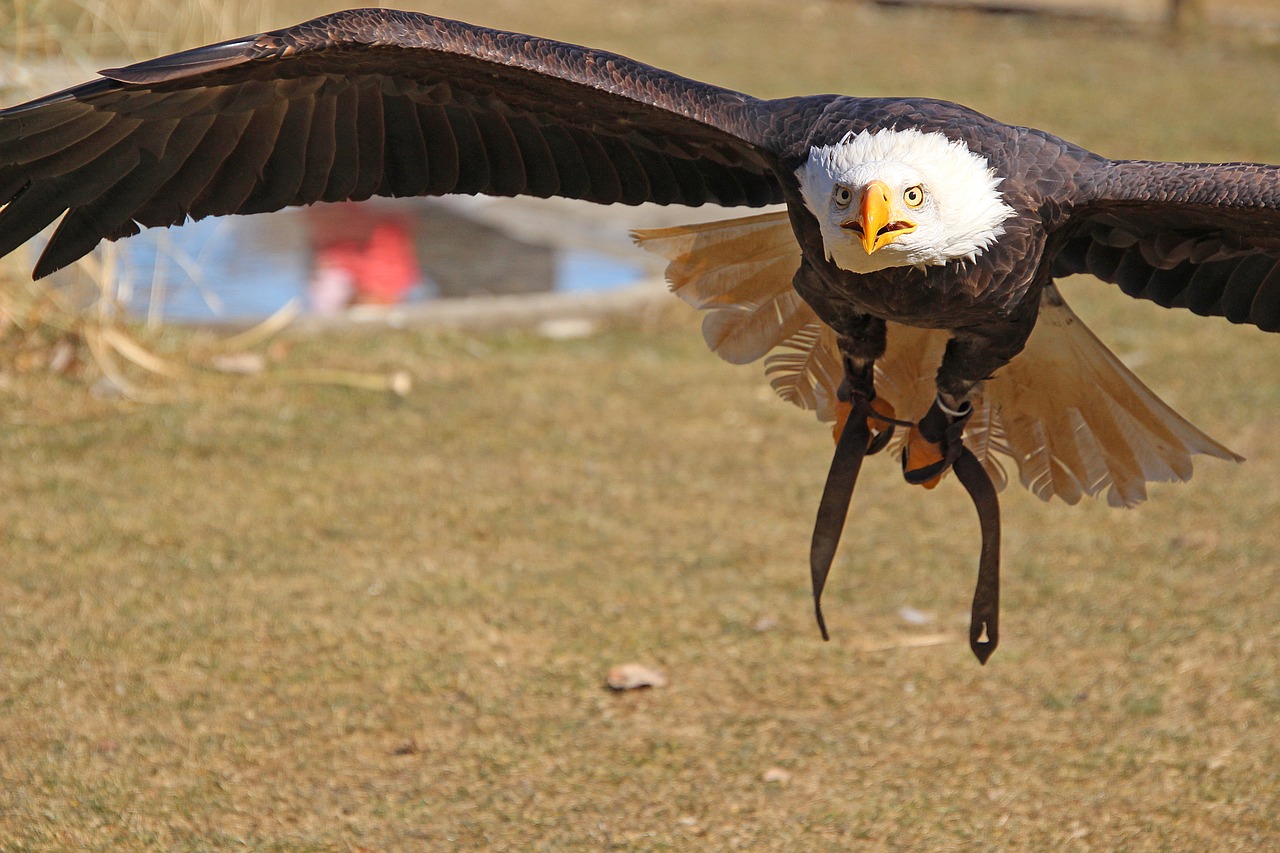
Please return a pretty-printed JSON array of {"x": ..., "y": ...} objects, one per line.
[{"x": 901, "y": 286}]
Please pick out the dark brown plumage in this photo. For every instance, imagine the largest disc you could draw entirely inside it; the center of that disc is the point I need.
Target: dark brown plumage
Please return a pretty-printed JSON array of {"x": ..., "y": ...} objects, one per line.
[{"x": 376, "y": 102}]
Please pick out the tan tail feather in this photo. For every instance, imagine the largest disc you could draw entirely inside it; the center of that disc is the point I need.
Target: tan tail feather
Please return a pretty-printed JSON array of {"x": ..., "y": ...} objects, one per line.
[
  {"x": 807, "y": 372},
  {"x": 1094, "y": 425},
  {"x": 739, "y": 270},
  {"x": 1069, "y": 414},
  {"x": 725, "y": 262}
]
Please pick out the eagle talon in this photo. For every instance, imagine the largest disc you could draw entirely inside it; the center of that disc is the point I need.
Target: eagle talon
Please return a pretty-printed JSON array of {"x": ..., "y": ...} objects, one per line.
[
  {"x": 934, "y": 444},
  {"x": 880, "y": 421}
]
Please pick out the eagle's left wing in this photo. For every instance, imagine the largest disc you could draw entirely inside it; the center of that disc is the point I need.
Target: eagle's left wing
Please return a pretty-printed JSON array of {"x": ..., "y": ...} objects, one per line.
[{"x": 1201, "y": 236}]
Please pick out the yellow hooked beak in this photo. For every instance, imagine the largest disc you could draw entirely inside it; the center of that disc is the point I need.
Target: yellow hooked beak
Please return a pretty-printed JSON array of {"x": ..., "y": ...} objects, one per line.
[{"x": 877, "y": 223}]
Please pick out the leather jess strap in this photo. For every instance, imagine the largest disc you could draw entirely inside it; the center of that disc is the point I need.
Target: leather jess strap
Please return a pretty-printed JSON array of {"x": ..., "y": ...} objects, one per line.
[{"x": 833, "y": 510}]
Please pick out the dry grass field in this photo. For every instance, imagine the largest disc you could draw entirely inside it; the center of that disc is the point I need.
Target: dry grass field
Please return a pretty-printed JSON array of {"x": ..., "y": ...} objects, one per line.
[{"x": 268, "y": 614}]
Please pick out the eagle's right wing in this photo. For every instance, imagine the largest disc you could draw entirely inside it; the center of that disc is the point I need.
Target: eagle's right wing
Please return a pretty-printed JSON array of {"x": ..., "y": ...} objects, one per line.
[{"x": 373, "y": 102}]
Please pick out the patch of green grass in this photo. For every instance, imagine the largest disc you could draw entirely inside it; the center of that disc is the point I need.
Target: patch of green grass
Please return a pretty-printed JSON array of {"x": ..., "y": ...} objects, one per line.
[{"x": 293, "y": 617}]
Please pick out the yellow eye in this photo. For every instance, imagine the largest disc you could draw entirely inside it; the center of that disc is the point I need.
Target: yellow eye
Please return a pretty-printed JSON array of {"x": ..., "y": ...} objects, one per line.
[
  {"x": 843, "y": 196},
  {"x": 914, "y": 196}
]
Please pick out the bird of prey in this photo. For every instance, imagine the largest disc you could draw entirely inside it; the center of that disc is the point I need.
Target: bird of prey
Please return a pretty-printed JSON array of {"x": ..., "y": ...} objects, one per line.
[{"x": 909, "y": 282}]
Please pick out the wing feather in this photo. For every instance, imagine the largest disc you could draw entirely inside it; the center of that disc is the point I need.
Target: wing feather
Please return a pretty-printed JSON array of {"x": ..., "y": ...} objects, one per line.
[
  {"x": 112, "y": 210},
  {"x": 370, "y": 125},
  {"x": 344, "y": 169},
  {"x": 1202, "y": 236},
  {"x": 235, "y": 179},
  {"x": 185, "y": 182},
  {"x": 87, "y": 171},
  {"x": 285, "y": 168}
]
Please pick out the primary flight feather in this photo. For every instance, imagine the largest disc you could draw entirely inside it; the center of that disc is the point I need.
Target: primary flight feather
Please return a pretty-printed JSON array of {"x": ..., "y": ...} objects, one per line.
[{"x": 900, "y": 288}]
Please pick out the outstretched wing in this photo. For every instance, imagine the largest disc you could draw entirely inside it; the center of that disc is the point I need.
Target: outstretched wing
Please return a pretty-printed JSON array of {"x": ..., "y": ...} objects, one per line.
[
  {"x": 369, "y": 102},
  {"x": 1190, "y": 235}
]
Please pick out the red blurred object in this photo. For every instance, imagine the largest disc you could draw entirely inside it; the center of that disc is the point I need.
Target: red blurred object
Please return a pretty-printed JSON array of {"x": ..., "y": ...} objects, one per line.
[{"x": 373, "y": 264}]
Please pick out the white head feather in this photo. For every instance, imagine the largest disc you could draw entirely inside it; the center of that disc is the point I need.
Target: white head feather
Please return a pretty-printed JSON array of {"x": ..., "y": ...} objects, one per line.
[{"x": 959, "y": 219}]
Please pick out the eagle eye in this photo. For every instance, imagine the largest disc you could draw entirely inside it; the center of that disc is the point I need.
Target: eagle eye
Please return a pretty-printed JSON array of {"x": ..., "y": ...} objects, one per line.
[
  {"x": 843, "y": 196},
  {"x": 914, "y": 196}
]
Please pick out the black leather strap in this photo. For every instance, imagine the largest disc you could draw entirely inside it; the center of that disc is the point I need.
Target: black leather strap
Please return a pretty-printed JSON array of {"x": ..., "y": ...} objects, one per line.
[
  {"x": 836, "y": 495},
  {"x": 984, "y": 619}
]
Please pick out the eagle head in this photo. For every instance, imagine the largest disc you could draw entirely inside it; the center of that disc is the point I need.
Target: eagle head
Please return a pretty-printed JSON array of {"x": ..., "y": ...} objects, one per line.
[{"x": 896, "y": 198}]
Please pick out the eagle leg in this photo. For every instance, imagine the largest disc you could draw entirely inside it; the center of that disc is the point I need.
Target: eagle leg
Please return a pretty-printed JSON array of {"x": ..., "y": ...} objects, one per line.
[
  {"x": 970, "y": 357},
  {"x": 984, "y": 618}
]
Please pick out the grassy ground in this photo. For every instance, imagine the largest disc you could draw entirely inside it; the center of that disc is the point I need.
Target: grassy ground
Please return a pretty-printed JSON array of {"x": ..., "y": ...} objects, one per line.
[{"x": 285, "y": 616}]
